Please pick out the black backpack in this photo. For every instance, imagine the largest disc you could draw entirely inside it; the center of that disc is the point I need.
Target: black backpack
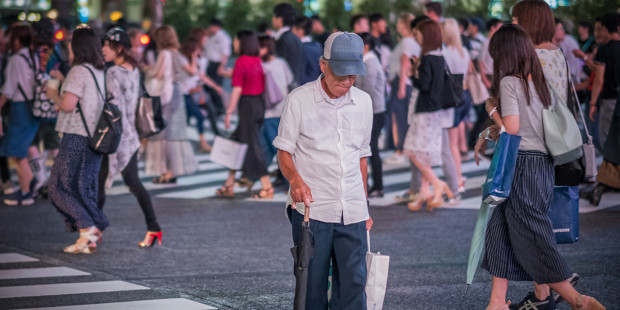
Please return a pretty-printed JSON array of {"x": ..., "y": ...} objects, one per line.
[{"x": 109, "y": 129}]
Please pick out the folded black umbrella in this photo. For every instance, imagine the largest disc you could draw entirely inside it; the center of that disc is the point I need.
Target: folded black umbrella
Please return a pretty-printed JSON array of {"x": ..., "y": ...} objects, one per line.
[{"x": 302, "y": 254}]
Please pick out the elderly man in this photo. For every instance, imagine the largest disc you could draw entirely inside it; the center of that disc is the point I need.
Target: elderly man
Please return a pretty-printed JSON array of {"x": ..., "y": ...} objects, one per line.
[{"x": 323, "y": 141}]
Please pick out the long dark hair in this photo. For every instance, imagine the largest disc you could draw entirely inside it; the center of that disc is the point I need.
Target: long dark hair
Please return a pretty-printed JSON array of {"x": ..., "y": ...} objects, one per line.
[
  {"x": 248, "y": 43},
  {"x": 121, "y": 51},
  {"x": 513, "y": 54},
  {"x": 536, "y": 17},
  {"x": 188, "y": 48},
  {"x": 86, "y": 47},
  {"x": 23, "y": 35},
  {"x": 431, "y": 35}
]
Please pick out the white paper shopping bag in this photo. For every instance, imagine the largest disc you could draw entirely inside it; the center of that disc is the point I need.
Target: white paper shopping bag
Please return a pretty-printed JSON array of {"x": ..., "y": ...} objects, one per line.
[
  {"x": 377, "y": 266},
  {"x": 228, "y": 153}
]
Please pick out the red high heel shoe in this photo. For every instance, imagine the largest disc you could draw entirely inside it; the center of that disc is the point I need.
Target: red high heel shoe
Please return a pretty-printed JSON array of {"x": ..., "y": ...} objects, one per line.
[{"x": 149, "y": 239}]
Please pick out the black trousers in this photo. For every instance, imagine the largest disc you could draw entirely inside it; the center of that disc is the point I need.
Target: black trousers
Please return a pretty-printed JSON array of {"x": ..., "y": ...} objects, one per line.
[
  {"x": 130, "y": 177},
  {"x": 483, "y": 121},
  {"x": 5, "y": 173},
  {"x": 378, "y": 120},
  {"x": 219, "y": 80},
  {"x": 251, "y": 118}
]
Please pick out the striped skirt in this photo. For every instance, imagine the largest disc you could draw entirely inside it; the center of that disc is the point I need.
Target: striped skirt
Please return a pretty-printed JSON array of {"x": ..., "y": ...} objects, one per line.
[{"x": 520, "y": 244}]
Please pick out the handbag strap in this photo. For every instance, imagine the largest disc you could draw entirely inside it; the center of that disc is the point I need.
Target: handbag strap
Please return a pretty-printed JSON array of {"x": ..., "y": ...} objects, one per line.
[
  {"x": 368, "y": 239},
  {"x": 144, "y": 90},
  {"x": 34, "y": 73}
]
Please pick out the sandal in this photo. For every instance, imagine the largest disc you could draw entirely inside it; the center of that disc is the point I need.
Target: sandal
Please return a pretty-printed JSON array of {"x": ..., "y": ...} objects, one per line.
[
  {"x": 264, "y": 193},
  {"x": 245, "y": 182},
  {"x": 225, "y": 191},
  {"x": 165, "y": 180}
]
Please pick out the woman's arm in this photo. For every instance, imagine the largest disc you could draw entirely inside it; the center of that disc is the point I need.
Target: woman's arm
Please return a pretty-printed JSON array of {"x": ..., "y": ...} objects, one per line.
[
  {"x": 65, "y": 102},
  {"x": 209, "y": 82},
  {"x": 405, "y": 66},
  {"x": 234, "y": 99}
]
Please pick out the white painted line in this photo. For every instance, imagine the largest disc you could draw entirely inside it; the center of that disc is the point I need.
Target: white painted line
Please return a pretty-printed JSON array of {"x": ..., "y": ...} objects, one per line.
[
  {"x": 155, "y": 304},
  {"x": 67, "y": 289},
  {"x": 15, "y": 258},
  {"x": 181, "y": 181},
  {"x": 48, "y": 272}
]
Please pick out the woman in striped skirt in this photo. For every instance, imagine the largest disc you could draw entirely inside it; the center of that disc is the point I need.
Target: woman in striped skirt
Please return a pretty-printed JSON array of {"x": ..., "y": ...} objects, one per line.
[{"x": 520, "y": 244}]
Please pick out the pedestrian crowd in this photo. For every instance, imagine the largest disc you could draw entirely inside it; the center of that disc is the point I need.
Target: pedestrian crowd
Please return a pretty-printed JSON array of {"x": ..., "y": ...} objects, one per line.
[{"x": 433, "y": 93}]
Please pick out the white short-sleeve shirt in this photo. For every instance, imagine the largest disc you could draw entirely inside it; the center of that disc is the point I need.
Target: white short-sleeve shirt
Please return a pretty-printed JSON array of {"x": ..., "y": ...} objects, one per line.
[
  {"x": 218, "y": 45},
  {"x": 327, "y": 137}
]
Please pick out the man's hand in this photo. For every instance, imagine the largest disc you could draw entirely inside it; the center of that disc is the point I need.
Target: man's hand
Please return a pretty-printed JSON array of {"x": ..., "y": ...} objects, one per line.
[
  {"x": 369, "y": 223},
  {"x": 300, "y": 192},
  {"x": 579, "y": 53}
]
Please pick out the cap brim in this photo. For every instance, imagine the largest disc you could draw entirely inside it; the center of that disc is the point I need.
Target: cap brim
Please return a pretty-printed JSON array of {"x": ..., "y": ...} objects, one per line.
[{"x": 347, "y": 67}]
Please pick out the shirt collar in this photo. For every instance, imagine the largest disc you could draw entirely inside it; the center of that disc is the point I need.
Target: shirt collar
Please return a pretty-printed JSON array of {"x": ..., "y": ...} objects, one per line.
[
  {"x": 321, "y": 95},
  {"x": 368, "y": 56},
  {"x": 280, "y": 32}
]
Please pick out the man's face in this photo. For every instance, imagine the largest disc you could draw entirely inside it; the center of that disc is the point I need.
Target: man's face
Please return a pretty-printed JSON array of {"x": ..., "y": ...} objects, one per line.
[
  {"x": 431, "y": 15},
  {"x": 338, "y": 86},
  {"x": 317, "y": 27},
  {"x": 361, "y": 26},
  {"x": 601, "y": 35},
  {"x": 380, "y": 25},
  {"x": 558, "y": 36},
  {"x": 276, "y": 22},
  {"x": 472, "y": 29},
  {"x": 583, "y": 32}
]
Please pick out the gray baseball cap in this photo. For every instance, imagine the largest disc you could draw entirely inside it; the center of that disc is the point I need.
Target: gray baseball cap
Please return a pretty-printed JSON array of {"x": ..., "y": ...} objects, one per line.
[{"x": 344, "y": 52}]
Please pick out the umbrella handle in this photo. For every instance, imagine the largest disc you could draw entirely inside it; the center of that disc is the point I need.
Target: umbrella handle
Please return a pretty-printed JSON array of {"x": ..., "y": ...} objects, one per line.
[{"x": 307, "y": 214}]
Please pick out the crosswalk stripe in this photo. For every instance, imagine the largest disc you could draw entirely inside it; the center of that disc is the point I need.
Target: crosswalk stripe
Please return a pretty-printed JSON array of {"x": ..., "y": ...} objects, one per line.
[
  {"x": 68, "y": 288},
  {"x": 15, "y": 258},
  {"x": 154, "y": 304},
  {"x": 47, "y": 272}
]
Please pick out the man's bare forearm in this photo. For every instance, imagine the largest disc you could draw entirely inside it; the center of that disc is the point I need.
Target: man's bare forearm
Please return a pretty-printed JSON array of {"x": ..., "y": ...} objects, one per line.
[
  {"x": 287, "y": 166},
  {"x": 364, "y": 170}
]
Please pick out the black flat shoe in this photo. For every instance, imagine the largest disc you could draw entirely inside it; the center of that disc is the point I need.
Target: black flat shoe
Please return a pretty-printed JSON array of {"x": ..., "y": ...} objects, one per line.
[{"x": 164, "y": 180}]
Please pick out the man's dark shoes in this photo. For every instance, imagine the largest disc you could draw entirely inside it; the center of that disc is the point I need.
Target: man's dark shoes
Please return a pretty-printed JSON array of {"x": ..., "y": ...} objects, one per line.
[
  {"x": 530, "y": 302},
  {"x": 593, "y": 196}
]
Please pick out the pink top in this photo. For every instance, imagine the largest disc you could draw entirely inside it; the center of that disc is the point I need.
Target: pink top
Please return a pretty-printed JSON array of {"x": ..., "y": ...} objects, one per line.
[{"x": 248, "y": 74}]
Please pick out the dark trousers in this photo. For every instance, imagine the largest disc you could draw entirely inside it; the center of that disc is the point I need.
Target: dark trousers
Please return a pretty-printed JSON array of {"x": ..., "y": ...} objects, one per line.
[
  {"x": 192, "y": 110},
  {"x": 219, "y": 80},
  {"x": 482, "y": 121},
  {"x": 131, "y": 179},
  {"x": 400, "y": 109},
  {"x": 5, "y": 173},
  {"x": 345, "y": 246},
  {"x": 378, "y": 120},
  {"x": 251, "y": 119}
]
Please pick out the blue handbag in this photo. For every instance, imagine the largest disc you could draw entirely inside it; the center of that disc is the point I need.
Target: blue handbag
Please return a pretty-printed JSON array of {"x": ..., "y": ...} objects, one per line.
[
  {"x": 564, "y": 214},
  {"x": 496, "y": 188}
]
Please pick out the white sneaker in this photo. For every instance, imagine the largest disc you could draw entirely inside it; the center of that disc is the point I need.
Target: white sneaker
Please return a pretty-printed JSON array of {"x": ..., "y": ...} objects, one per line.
[{"x": 396, "y": 158}]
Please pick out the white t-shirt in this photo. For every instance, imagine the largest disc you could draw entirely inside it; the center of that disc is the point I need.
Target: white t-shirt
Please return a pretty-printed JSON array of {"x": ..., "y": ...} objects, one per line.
[
  {"x": 485, "y": 57},
  {"x": 408, "y": 46},
  {"x": 283, "y": 76},
  {"x": 187, "y": 81},
  {"x": 456, "y": 63},
  {"x": 81, "y": 83}
]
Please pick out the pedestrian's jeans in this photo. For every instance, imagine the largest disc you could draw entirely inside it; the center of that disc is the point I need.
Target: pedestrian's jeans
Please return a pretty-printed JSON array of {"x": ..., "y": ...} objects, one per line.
[
  {"x": 345, "y": 246},
  {"x": 400, "y": 110},
  {"x": 268, "y": 133}
]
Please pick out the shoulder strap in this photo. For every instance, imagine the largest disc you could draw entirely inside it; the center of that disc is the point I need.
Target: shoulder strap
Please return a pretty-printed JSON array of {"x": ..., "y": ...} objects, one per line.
[
  {"x": 19, "y": 87},
  {"x": 578, "y": 104},
  {"x": 99, "y": 90}
]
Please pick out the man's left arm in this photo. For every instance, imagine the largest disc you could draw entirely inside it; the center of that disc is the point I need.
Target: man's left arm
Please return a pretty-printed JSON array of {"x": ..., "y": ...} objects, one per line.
[{"x": 364, "y": 154}]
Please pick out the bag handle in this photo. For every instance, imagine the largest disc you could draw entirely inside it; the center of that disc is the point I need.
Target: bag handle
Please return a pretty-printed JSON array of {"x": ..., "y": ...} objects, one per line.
[
  {"x": 368, "y": 239},
  {"x": 144, "y": 90}
]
